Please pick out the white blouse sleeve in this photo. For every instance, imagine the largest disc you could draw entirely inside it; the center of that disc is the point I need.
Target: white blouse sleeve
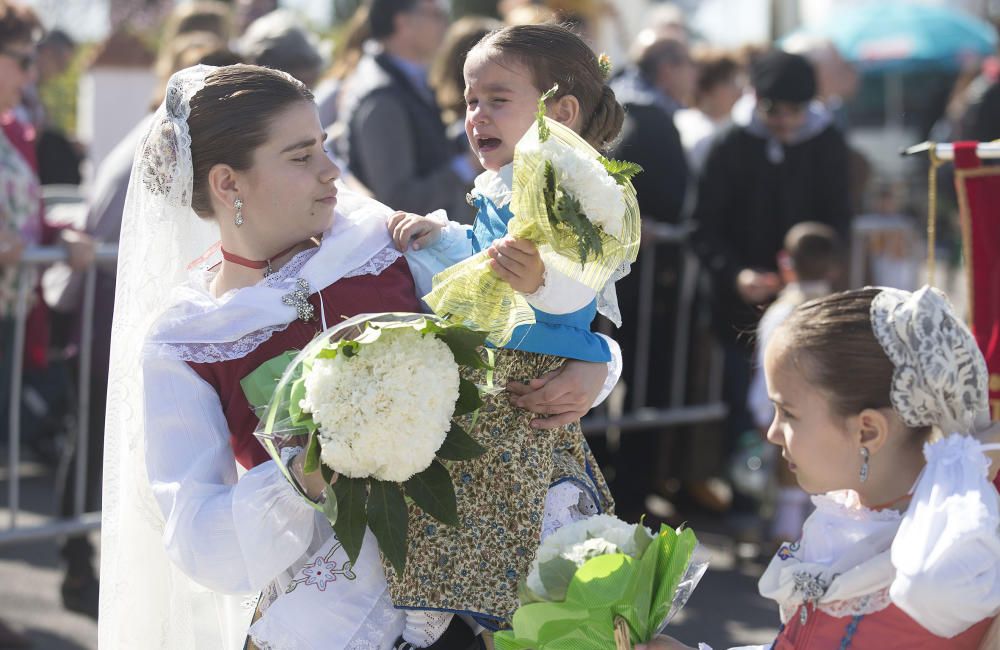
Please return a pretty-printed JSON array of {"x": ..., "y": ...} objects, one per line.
[
  {"x": 230, "y": 535},
  {"x": 947, "y": 551},
  {"x": 453, "y": 246},
  {"x": 614, "y": 370}
]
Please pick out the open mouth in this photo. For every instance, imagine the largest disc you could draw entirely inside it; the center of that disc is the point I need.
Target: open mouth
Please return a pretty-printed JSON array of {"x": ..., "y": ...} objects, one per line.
[{"x": 486, "y": 145}]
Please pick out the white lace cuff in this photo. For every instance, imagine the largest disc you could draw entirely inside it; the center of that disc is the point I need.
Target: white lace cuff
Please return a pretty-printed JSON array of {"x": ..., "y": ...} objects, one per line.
[
  {"x": 614, "y": 370},
  {"x": 560, "y": 294},
  {"x": 424, "y": 627}
]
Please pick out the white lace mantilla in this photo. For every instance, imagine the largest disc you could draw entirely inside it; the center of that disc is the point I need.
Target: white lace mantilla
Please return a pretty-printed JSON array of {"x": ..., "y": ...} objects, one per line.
[{"x": 286, "y": 276}]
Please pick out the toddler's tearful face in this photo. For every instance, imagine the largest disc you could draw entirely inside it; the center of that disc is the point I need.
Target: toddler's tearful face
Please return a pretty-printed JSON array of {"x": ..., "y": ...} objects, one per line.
[{"x": 501, "y": 101}]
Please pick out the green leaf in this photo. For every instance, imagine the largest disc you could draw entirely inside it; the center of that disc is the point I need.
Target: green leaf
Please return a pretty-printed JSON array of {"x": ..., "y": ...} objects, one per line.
[
  {"x": 464, "y": 344},
  {"x": 259, "y": 385},
  {"x": 327, "y": 473},
  {"x": 468, "y": 397},
  {"x": 672, "y": 565},
  {"x": 295, "y": 397},
  {"x": 459, "y": 445},
  {"x": 312, "y": 463},
  {"x": 352, "y": 517},
  {"x": 622, "y": 171},
  {"x": 387, "y": 518},
  {"x": 330, "y": 504},
  {"x": 556, "y": 575},
  {"x": 642, "y": 538},
  {"x": 433, "y": 491}
]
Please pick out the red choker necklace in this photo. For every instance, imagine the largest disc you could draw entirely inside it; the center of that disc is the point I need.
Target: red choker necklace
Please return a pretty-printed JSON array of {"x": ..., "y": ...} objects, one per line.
[{"x": 254, "y": 264}]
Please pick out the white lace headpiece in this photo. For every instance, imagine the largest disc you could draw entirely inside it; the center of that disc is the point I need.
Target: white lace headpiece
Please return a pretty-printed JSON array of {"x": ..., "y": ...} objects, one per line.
[{"x": 940, "y": 375}]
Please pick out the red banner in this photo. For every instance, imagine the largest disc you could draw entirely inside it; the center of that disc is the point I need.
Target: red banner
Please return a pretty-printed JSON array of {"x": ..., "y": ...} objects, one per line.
[{"x": 978, "y": 188}]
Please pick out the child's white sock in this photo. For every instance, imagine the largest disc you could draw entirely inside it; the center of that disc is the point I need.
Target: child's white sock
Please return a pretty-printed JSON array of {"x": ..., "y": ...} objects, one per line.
[{"x": 424, "y": 627}]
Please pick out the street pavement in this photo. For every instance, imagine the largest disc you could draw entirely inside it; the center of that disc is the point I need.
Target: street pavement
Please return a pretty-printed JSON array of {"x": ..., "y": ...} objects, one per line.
[{"x": 724, "y": 611}]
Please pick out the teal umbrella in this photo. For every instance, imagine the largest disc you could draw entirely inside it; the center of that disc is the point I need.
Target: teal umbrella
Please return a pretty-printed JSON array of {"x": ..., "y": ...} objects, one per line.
[{"x": 897, "y": 36}]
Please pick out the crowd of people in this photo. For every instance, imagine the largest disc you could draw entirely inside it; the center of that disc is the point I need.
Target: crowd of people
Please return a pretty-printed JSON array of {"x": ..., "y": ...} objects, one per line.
[{"x": 743, "y": 150}]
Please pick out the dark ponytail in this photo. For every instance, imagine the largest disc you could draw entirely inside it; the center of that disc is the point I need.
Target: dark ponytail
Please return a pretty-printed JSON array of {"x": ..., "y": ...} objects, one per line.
[{"x": 605, "y": 122}]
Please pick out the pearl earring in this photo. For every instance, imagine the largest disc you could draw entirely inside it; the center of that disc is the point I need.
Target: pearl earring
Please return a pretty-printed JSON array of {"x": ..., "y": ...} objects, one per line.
[
  {"x": 238, "y": 204},
  {"x": 865, "y": 455}
]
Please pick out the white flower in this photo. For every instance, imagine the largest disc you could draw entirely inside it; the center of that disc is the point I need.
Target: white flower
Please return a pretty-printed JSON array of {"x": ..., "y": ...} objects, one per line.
[
  {"x": 588, "y": 182},
  {"x": 386, "y": 411},
  {"x": 583, "y": 540}
]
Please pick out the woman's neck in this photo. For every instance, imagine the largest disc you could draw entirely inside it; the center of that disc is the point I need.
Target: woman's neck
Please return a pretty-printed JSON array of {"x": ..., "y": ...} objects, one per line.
[{"x": 235, "y": 275}]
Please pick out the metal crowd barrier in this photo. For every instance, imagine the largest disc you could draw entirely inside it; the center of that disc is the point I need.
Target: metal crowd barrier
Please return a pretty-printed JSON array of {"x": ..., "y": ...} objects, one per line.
[
  {"x": 642, "y": 418},
  {"x": 677, "y": 237},
  {"x": 33, "y": 261}
]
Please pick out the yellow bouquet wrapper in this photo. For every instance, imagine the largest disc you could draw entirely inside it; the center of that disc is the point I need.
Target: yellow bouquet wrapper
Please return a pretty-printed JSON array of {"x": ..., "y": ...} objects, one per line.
[{"x": 549, "y": 215}]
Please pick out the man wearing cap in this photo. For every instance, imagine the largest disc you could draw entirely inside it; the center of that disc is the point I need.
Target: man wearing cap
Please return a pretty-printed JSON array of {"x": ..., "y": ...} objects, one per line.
[
  {"x": 783, "y": 161},
  {"x": 392, "y": 136}
]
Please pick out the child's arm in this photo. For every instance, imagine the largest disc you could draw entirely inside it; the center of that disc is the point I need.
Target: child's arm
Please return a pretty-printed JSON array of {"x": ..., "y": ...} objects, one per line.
[{"x": 546, "y": 289}]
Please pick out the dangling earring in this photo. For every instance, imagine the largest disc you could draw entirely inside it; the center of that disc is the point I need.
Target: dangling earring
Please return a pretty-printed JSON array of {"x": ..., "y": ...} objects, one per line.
[
  {"x": 864, "y": 464},
  {"x": 238, "y": 204}
]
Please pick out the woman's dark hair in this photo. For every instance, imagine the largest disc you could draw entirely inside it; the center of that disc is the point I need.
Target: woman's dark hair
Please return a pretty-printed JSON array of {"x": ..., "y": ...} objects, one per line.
[
  {"x": 715, "y": 68},
  {"x": 382, "y": 16},
  {"x": 231, "y": 117},
  {"x": 18, "y": 24},
  {"x": 555, "y": 55},
  {"x": 832, "y": 343}
]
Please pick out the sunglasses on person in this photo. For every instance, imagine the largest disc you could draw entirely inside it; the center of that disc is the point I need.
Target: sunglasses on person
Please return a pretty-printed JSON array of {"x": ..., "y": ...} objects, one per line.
[{"x": 24, "y": 59}]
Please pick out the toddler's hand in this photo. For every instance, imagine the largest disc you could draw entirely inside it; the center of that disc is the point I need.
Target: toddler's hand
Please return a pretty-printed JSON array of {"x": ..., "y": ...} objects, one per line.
[
  {"x": 407, "y": 228},
  {"x": 518, "y": 262}
]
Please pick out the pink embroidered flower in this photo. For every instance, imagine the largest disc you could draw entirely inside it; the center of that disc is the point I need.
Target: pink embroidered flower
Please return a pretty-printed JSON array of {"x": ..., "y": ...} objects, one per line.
[{"x": 320, "y": 572}]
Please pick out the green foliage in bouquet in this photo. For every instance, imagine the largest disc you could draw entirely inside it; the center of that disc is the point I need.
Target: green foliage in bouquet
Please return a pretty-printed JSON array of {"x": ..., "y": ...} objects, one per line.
[
  {"x": 582, "y": 604},
  {"x": 276, "y": 389}
]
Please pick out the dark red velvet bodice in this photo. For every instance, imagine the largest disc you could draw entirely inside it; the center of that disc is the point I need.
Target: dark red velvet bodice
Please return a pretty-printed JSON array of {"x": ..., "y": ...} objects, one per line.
[{"x": 391, "y": 290}]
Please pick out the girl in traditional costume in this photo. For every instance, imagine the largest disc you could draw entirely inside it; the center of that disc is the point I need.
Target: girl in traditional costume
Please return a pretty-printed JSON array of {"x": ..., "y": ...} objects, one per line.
[
  {"x": 506, "y": 75},
  {"x": 882, "y": 412},
  {"x": 203, "y": 536}
]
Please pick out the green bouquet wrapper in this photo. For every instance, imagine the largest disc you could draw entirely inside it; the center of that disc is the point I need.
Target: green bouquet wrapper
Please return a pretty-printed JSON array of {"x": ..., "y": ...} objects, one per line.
[{"x": 644, "y": 592}]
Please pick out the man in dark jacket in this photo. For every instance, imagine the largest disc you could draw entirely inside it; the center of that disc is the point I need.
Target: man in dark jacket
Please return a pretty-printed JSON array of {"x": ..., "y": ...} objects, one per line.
[
  {"x": 393, "y": 138},
  {"x": 783, "y": 161}
]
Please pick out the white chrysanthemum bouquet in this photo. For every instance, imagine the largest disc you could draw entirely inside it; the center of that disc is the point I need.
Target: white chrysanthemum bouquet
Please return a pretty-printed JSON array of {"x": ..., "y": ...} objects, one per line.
[
  {"x": 578, "y": 207},
  {"x": 372, "y": 401},
  {"x": 601, "y": 583}
]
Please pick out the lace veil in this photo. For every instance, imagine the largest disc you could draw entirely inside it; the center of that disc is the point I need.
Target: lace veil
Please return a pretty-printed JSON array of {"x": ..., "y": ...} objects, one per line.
[{"x": 145, "y": 601}]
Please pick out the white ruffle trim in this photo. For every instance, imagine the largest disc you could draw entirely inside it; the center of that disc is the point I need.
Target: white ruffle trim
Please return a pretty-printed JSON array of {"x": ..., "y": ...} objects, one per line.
[{"x": 239, "y": 348}]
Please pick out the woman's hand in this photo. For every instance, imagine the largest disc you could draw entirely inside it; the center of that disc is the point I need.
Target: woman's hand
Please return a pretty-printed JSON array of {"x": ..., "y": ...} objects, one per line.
[
  {"x": 313, "y": 482},
  {"x": 11, "y": 247},
  {"x": 663, "y": 642},
  {"x": 517, "y": 262},
  {"x": 413, "y": 229},
  {"x": 81, "y": 248},
  {"x": 564, "y": 395}
]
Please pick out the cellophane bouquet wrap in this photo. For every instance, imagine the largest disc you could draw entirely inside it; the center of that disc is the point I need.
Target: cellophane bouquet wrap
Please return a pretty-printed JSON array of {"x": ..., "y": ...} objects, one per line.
[
  {"x": 373, "y": 401},
  {"x": 602, "y": 583},
  {"x": 578, "y": 208}
]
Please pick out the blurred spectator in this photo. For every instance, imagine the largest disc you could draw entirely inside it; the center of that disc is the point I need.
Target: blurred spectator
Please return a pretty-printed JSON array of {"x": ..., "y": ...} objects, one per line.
[
  {"x": 836, "y": 78},
  {"x": 980, "y": 117},
  {"x": 248, "y": 11},
  {"x": 393, "y": 138},
  {"x": 59, "y": 156},
  {"x": 782, "y": 160},
  {"x": 64, "y": 288},
  {"x": 719, "y": 83},
  {"x": 447, "y": 76},
  {"x": 197, "y": 16},
  {"x": 345, "y": 59},
  {"x": 652, "y": 89},
  {"x": 809, "y": 265},
  {"x": 528, "y": 14},
  {"x": 278, "y": 40}
]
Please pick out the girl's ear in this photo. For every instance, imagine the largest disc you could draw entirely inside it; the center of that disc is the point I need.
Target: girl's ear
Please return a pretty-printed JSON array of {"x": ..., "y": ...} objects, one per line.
[
  {"x": 872, "y": 428},
  {"x": 223, "y": 184},
  {"x": 566, "y": 110}
]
